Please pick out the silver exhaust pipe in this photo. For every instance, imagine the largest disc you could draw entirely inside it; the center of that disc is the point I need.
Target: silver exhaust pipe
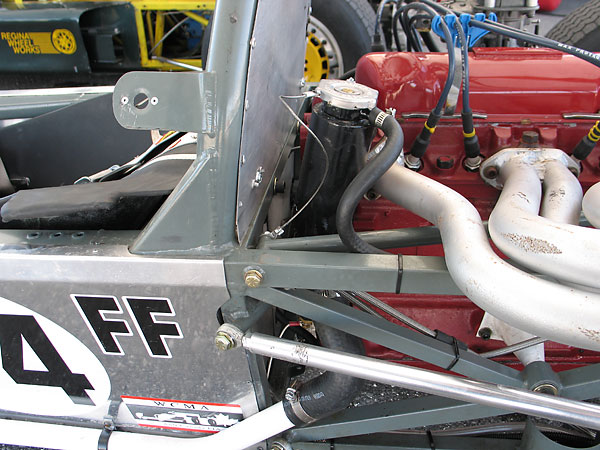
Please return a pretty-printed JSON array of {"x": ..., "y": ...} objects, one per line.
[
  {"x": 542, "y": 308},
  {"x": 561, "y": 250}
]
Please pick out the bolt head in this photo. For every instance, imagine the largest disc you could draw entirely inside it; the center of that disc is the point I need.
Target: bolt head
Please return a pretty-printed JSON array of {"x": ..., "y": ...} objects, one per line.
[
  {"x": 445, "y": 162},
  {"x": 253, "y": 278},
  {"x": 491, "y": 172},
  {"x": 223, "y": 341},
  {"x": 485, "y": 333}
]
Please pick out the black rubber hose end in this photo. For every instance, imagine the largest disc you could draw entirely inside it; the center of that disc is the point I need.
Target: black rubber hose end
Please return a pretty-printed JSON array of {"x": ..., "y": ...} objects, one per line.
[
  {"x": 472, "y": 148},
  {"x": 366, "y": 178},
  {"x": 330, "y": 391},
  {"x": 583, "y": 149}
]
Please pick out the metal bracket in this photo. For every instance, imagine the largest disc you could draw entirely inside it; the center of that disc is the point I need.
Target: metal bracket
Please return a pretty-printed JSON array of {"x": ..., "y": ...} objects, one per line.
[
  {"x": 166, "y": 101},
  {"x": 109, "y": 424}
]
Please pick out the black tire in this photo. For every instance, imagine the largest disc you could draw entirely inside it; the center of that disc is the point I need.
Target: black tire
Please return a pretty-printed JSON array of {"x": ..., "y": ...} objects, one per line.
[
  {"x": 580, "y": 28},
  {"x": 352, "y": 24}
]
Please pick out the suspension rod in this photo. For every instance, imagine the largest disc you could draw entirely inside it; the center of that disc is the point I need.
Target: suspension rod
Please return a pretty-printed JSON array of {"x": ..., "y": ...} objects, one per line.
[{"x": 504, "y": 397}]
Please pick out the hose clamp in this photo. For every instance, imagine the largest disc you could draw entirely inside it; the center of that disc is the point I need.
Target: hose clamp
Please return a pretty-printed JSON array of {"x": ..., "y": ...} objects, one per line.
[
  {"x": 300, "y": 413},
  {"x": 380, "y": 119},
  {"x": 292, "y": 396}
]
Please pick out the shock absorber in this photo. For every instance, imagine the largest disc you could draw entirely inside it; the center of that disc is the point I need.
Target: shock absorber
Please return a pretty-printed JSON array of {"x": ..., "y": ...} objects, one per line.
[{"x": 341, "y": 123}]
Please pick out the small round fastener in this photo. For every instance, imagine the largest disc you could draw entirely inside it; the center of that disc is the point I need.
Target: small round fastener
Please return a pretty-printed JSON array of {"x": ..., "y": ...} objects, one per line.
[
  {"x": 253, "y": 278},
  {"x": 223, "y": 341}
]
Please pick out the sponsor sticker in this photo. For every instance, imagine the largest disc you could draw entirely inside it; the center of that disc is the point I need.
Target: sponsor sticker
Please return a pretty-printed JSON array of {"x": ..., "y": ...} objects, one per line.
[
  {"x": 181, "y": 415},
  {"x": 56, "y": 42}
]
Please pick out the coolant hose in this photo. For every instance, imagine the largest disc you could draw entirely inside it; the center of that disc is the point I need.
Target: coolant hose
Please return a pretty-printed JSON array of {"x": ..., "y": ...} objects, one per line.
[
  {"x": 368, "y": 176},
  {"x": 330, "y": 391}
]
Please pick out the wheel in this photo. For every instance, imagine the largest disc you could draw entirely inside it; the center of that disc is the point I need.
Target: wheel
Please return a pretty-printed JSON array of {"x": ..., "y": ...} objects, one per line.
[
  {"x": 339, "y": 33},
  {"x": 580, "y": 28},
  {"x": 212, "y": 422}
]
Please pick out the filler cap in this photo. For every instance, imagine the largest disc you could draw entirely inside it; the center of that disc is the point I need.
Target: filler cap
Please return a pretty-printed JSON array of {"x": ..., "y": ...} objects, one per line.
[{"x": 347, "y": 94}]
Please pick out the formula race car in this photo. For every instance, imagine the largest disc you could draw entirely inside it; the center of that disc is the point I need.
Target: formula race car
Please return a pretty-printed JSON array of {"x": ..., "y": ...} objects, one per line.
[{"x": 409, "y": 270}]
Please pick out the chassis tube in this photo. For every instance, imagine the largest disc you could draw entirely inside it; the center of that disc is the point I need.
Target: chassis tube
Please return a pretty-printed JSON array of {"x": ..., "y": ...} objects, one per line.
[
  {"x": 566, "y": 252},
  {"x": 543, "y": 308},
  {"x": 253, "y": 430},
  {"x": 511, "y": 399}
]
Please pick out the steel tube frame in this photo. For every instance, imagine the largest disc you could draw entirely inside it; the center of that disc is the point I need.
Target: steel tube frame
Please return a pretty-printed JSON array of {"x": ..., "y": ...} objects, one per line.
[
  {"x": 504, "y": 397},
  {"x": 334, "y": 314},
  {"x": 402, "y": 237}
]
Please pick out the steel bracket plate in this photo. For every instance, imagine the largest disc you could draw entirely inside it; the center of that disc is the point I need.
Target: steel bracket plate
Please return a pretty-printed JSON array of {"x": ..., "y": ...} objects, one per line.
[
  {"x": 166, "y": 101},
  {"x": 275, "y": 68}
]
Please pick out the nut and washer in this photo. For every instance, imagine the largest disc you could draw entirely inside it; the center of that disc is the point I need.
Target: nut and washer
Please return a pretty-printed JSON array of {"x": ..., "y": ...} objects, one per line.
[
  {"x": 223, "y": 341},
  {"x": 253, "y": 278},
  {"x": 546, "y": 388}
]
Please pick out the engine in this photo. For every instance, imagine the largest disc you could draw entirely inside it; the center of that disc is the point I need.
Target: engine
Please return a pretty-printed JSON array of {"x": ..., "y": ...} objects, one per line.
[
  {"x": 525, "y": 101},
  {"x": 522, "y": 99}
]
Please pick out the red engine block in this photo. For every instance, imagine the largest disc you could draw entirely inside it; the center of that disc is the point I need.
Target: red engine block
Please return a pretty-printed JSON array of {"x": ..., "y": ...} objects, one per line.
[{"x": 519, "y": 90}]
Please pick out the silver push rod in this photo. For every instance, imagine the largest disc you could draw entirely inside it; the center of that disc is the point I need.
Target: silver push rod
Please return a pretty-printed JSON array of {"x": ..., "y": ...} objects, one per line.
[{"x": 510, "y": 399}]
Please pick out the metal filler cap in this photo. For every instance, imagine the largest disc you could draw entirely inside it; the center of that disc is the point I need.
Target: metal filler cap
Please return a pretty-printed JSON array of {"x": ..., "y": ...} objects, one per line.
[{"x": 347, "y": 94}]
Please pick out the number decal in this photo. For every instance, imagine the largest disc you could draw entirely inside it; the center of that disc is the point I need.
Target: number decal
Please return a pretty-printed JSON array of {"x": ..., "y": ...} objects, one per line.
[
  {"x": 146, "y": 313},
  {"x": 44, "y": 369},
  {"x": 154, "y": 332},
  {"x": 13, "y": 330},
  {"x": 93, "y": 310}
]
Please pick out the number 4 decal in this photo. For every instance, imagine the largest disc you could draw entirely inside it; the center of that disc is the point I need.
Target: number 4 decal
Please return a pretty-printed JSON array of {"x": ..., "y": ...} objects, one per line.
[
  {"x": 145, "y": 313},
  {"x": 14, "y": 329}
]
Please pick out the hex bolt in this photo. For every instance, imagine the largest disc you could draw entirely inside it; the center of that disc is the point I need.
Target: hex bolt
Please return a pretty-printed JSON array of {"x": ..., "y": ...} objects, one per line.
[
  {"x": 253, "y": 278},
  {"x": 530, "y": 138},
  {"x": 445, "y": 162},
  {"x": 485, "y": 333},
  {"x": 223, "y": 341},
  {"x": 490, "y": 172}
]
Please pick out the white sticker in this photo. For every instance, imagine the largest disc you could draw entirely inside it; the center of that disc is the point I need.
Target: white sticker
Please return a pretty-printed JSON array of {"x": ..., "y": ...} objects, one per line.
[
  {"x": 44, "y": 369},
  {"x": 180, "y": 415}
]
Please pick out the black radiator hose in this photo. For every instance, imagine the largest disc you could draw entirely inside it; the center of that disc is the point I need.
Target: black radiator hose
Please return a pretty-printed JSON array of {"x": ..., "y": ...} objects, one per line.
[
  {"x": 329, "y": 392},
  {"x": 366, "y": 178}
]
